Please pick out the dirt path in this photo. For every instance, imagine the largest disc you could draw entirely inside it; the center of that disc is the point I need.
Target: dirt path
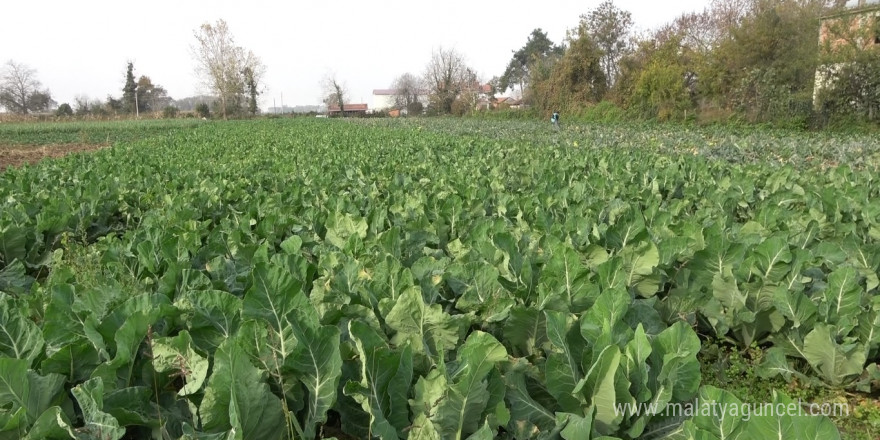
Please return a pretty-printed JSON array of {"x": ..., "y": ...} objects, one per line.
[{"x": 17, "y": 155}]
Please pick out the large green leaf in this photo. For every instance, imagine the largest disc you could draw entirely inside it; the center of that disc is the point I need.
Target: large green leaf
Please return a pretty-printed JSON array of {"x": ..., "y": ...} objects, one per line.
[
  {"x": 576, "y": 427},
  {"x": 599, "y": 387},
  {"x": 785, "y": 418},
  {"x": 237, "y": 398},
  {"x": 274, "y": 297},
  {"x": 213, "y": 316},
  {"x": 842, "y": 299},
  {"x": 426, "y": 327},
  {"x": 606, "y": 317},
  {"x": 25, "y": 391},
  {"x": 176, "y": 355},
  {"x": 639, "y": 263},
  {"x": 525, "y": 331},
  {"x": 386, "y": 379},
  {"x": 315, "y": 362},
  {"x": 52, "y": 424},
  {"x": 836, "y": 363},
  {"x": 13, "y": 241},
  {"x": 795, "y": 306},
  {"x": 19, "y": 336},
  {"x": 563, "y": 371},
  {"x": 462, "y": 409},
  {"x": 720, "y": 413},
  {"x": 128, "y": 339},
  {"x": 341, "y": 227},
  {"x": 14, "y": 279},
  {"x": 674, "y": 358},
  {"x": 527, "y": 415},
  {"x": 563, "y": 280},
  {"x": 98, "y": 424},
  {"x": 772, "y": 259},
  {"x": 634, "y": 363}
]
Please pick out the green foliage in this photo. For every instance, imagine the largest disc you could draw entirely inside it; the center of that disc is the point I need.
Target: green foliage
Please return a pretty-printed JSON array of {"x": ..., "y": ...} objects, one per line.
[
  {"x": 605, "y": 111},
  {"x": 445, "y": 278},
  {"x": 518, "y": 72},
  {"x": 660, "y": 92},
  {"x": 852, "y": 88},
  {"x": 64, "y": 110},
  {"x": 169, "y": 112},
  {"x": 252, "y": 90},
  {"x": 575, "y": 80},
  {"x": 81, "y": 132},
  {"x": 129, "y": 90},
  {"x": 203, "y": 111}
]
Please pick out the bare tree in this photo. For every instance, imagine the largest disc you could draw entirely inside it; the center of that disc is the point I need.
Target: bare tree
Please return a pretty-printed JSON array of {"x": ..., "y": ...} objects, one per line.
[
  {"x": 226, "y": 68},
  {"x": 335, "y": 92},
  {"x": 20, "y": 90},
  {"x": 446, "y": 76},
  {"x": 407, "y": 89}
]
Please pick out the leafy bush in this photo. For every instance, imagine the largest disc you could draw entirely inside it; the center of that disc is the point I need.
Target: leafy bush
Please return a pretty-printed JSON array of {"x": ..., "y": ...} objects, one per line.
[
  {"x": 605, "y": 111},
  {"x": 203, "y": 110},
  {"x": 170, "y": 112},
  {"x": 64, "y": 110}
]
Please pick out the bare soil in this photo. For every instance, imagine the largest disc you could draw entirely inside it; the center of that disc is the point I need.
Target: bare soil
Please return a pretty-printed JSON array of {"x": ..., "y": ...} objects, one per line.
[{"x": 17, "y": 155}]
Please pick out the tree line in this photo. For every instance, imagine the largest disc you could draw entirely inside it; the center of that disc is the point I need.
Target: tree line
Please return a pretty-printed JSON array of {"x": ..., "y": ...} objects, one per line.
[
  {"x": 751, "y": 60},
  {"x": 737, "y": 60},
  {"x": 231, "y": 74}
]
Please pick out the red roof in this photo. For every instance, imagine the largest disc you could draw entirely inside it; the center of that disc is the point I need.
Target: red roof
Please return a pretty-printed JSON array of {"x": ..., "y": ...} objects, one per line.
[{"x": 349, "y": 108}]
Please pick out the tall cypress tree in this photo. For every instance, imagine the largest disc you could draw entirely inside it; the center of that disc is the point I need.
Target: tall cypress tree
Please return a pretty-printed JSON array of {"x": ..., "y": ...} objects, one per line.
[
  {"x": 128, "y": 92},
  {"x": 251, "y": 83}
]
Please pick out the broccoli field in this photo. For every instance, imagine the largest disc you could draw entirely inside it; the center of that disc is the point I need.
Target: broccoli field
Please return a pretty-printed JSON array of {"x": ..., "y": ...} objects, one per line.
[{"x": 436, "y": 279}]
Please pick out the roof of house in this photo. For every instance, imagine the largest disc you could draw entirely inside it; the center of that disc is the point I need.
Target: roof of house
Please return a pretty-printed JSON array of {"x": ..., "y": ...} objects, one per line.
[{"x": 349, "y": 108}]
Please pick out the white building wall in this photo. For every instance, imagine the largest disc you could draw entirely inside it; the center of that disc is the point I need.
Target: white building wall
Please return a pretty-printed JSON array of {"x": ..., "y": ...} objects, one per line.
[{"x": 382, "y": 102}]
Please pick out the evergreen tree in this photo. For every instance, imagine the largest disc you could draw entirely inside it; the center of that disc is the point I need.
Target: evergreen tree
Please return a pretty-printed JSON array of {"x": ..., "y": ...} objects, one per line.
[{"x": 128, "y": 92}]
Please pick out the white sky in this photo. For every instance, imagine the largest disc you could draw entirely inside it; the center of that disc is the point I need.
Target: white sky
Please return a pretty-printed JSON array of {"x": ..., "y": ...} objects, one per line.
[{"x": 81, "y": 47}]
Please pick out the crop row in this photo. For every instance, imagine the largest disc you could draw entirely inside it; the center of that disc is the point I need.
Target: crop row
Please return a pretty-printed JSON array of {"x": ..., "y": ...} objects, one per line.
[{"x": 283, "y": 279}]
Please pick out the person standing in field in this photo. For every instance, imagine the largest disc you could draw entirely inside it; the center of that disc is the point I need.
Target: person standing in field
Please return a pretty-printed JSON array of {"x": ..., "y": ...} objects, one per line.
[{"x": 555, "y": 120}]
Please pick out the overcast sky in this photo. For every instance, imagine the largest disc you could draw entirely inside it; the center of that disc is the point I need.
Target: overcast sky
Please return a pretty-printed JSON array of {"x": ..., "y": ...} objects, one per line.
[{"x": 81, "y": 48}]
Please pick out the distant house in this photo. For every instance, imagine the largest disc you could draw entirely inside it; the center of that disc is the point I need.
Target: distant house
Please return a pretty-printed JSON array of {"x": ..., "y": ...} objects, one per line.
[
  {"x": 348, "y": 110},
  {"x": 857, "y": 25},
  {"x": 383, "y": 99},
  {"x": 487, "y": 103},
  {"x": 514, "y": 103}
]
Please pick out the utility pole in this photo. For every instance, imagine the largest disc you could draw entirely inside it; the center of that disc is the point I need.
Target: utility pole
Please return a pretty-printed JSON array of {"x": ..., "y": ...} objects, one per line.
[
  {"x": 137, "y": 107},
  {"x": 282, "y": 103}
]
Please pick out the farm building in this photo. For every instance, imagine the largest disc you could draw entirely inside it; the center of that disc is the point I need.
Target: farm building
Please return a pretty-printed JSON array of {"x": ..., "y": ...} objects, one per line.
[
  {"x": 347, "y": 110},
  {"x": 841, "y": 35}
]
